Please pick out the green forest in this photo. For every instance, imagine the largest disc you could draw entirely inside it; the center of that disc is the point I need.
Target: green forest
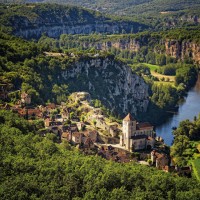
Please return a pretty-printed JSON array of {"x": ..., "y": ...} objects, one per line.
[
  {"x": 35, "y": 167},
  {"x": 160, "y": 14}
]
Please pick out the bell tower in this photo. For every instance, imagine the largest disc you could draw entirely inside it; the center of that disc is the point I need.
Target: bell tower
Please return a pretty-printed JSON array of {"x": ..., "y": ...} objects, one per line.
[{"x": 129, "y": 125}]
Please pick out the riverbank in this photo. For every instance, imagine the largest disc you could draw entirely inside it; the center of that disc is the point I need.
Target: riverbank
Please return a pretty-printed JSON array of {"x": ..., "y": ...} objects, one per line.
[{"x": 188, "y": 109}]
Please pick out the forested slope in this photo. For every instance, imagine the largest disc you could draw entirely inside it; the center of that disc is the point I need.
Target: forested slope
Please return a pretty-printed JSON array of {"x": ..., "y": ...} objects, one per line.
[
  {"x": 132, "y": 6},
  {"x": 33, "y": 20},
  {"x": 159, "y": 14}
]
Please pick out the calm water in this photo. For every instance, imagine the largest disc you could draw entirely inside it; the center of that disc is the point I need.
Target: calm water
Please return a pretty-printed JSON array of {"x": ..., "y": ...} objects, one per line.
[{"x": 187, "y": 110}]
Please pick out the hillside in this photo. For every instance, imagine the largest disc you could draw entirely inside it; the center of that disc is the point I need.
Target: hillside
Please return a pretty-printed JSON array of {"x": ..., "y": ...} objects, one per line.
[
  {"x": 28, "y": 67},
  {"x": 33, "y": 20},
  {"x": 132, "y": 6},
  {"x": 180, "y": 44},
  {"x": 171, "y": 11}
]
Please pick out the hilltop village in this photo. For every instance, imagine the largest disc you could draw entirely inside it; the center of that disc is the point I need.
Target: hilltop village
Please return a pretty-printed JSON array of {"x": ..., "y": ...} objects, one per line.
[{"x": 85, "y": 126}]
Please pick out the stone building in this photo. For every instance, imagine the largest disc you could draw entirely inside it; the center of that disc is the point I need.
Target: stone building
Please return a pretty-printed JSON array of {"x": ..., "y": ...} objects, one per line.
[
  {"x": 25, "y": 98},
  {"x": 161, "y": 160},
  {"x": 136, "y": 136}
]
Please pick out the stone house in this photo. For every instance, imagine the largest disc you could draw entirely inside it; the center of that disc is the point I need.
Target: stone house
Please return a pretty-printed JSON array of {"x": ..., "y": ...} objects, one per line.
[
  {"x": 139, "y": 142},
  {"x": 48, "y": 122},
  {"x": 76, "y": 138},
  {"x": 80, "y": 125},
  {"x": 91, "y": 134},
  {"x": 65, "y": 136},
  {"x": 29, "y": 113},
  {"x": 161, "y": 160},
  {"x": 88, "y": 143},
  {"x": 59, "y": 118},
  {"x": 51, "y": 106},
  {"x": 65, "y": 114},
  {"x": 25, "y": 98},
  {"x": 114, "y": 131}
]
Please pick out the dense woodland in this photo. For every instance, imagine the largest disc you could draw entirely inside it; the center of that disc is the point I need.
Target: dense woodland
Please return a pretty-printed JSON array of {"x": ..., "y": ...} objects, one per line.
[
  {"x": 35, "y": 167},
  {"x": 186, "y": 145},
  {"x": 160, "y": 14}
]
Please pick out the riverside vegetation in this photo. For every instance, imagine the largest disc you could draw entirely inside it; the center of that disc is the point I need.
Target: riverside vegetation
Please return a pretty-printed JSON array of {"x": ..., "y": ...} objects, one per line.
[{"x": 186, "y": 145}]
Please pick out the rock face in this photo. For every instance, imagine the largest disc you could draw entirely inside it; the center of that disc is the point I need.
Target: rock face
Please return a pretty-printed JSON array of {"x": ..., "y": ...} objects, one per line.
[
  {"x": 56, "y": 30},
  {"x": 54, "y": 20},
  {"x": 122, "y": 44},
  {"x": 183, "y": 50},
  {"x": 110, "y": 81},
  {"x": 174, "y": 48}
]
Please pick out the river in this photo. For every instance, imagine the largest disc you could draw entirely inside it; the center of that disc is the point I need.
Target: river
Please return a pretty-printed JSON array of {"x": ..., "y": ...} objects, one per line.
[{"x": 187, "y": 110}]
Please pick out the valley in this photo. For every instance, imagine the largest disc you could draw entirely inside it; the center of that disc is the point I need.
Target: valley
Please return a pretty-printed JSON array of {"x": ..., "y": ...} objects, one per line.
[{"x": 89, "y": 97}]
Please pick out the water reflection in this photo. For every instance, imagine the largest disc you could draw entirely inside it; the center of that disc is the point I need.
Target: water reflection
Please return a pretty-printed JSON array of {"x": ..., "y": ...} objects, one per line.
[{"x": 187, "y": 110}]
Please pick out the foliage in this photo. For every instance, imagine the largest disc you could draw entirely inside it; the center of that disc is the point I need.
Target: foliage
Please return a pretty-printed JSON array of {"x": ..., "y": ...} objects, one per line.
[
  {"x": 186, "y": 75},
  {"x": 184, "y": 147},
  {"x": 164, "y": 96},
  {"x": 34, "y": 167},
  {"x": 196, "y": 168}
]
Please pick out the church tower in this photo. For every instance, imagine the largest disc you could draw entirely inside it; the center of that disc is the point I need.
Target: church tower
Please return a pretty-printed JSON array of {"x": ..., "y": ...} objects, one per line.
[{"x": 129, "y": 126}]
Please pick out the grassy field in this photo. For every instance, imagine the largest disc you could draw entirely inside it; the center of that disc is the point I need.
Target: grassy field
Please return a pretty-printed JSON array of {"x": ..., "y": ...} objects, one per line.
[
  {"x": 167, "y": 79},
  {"x": 196, "y": 168},
  {"x": 160, "y": 76},
  {"x": 152, "y": 67}
]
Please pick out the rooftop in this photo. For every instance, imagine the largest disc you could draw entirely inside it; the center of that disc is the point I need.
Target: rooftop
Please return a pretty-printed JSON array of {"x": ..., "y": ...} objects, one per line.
[
  {"x": 144, "y": 125},
  {"x": 129, "y": 118}
]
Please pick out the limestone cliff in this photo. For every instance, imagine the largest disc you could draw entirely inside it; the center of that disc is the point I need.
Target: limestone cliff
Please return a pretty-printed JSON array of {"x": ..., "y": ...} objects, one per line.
[
  {"x": 171, "y": 47},
  {"x": 182, "y": 50},
  {"x": 55, "y": 31},
  {"x": 123, "y": 44},
  {"x": 31, "y": 21},
  {"x": 111, "y": 81}
]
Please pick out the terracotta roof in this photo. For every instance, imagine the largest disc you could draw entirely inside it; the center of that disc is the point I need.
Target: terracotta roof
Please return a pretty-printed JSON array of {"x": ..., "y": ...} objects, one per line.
[
  {"x": 129, "y": 118},
  {"x": 51, "y": 106},
  {"x": 88, "y": 141},
  {"x": 76, "y": 134},
  {"x": 65, "y": 135},
  {"x": 144, "y": 125}
]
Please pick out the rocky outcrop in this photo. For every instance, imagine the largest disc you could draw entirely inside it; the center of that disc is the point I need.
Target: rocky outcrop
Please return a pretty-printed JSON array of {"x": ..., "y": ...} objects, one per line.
[
  {"x": 175, "y": 48},
  {"x": 111, "y": 81},
  {"x": 122, "y": 44},
  {"x": 54, "y": 20},
  {"x": 183, "y": 50},
  {"x": 56, "y": 30}
]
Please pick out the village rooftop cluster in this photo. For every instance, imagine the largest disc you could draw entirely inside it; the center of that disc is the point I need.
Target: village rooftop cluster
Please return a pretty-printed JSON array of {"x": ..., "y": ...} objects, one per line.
[{"x": 132, "y": 141}]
